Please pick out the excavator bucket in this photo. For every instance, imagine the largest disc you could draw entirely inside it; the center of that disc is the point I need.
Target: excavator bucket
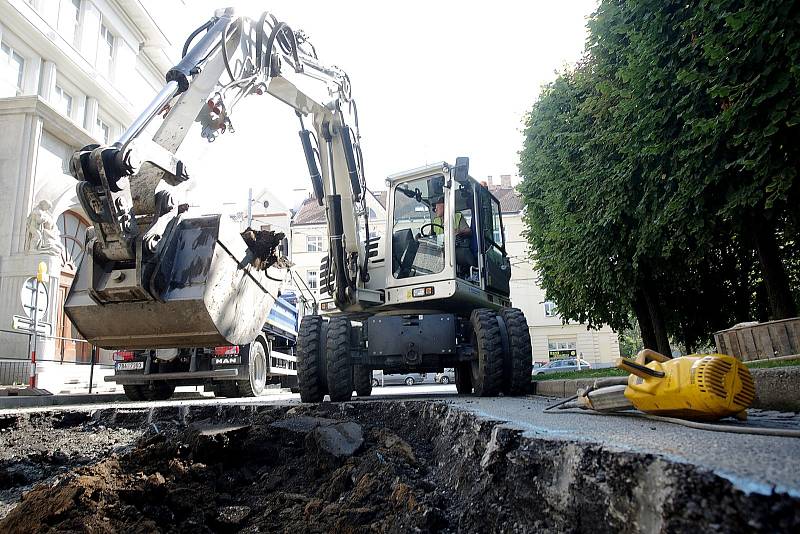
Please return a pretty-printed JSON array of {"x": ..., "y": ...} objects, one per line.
[{"x": 204, "y": 288}]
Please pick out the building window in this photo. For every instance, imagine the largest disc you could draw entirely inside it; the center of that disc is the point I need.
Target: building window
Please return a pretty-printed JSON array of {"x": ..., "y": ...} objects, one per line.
[
  {"x": 69, "y": 20},
  {"x": 12, "y": 69},
  {"x": 73, "y": 237},
  {"x": 105, "y": 51},
  {"x": 550, "y": 309},
  {"x": 312, "y": 277},
  {"x": 63, "y": 101},
  {"x": 104, "y": 131},
  {"x": 313, "y": 243}
]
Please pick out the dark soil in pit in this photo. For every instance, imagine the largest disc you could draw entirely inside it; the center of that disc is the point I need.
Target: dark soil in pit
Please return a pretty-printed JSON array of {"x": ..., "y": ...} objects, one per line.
[
  {"x": 360, "y": 467},
  {"x": 301, "y": 469},
  {"x": 38, "y": 447}
]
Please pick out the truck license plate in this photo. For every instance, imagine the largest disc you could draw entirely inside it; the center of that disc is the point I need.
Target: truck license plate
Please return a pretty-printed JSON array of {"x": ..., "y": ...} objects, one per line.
[{"x": 129, "y": 366}]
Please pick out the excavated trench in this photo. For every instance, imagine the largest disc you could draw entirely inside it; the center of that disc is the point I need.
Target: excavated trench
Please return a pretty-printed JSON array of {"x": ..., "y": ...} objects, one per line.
[{"x": 354, "y": 467}]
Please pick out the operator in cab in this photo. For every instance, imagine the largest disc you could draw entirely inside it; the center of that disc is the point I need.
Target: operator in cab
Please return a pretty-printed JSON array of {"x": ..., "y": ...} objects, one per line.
[{"x": 465, "y": 257}]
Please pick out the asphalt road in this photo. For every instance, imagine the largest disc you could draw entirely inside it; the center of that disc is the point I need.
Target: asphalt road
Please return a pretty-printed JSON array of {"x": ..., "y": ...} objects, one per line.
[{"x": 757, "y": 464}]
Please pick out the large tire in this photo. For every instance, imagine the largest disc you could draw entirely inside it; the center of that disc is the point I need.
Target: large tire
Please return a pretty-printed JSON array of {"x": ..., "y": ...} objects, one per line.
[
  {"x": 463, "y": 374},
  {"x": 362, "y": 381},
  {"x": 158, "y": 391},
  {"x": 340, "y": 368},
  {"x": 518, "y": 359},
  {"x": 227, "y": 389},
  {"x": 134, "y": 392},
  {"x": 311, "y": 365},
  {"x": 257, "y": 368},
  {"x": 487, "y": 367}
]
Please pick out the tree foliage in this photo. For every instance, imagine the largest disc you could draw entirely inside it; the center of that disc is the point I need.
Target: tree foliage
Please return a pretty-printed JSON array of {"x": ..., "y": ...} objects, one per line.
[{"x": 660, "y": 173}]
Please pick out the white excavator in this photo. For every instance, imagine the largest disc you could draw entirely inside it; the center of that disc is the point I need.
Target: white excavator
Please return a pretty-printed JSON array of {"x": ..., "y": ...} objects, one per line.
[{"x": 431, "y": 293}]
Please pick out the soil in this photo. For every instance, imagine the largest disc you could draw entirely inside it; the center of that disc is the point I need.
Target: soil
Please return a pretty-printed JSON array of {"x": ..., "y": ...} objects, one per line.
[
  {"x": 415, "y": 466},
  {"x": 263, "y": 244}
]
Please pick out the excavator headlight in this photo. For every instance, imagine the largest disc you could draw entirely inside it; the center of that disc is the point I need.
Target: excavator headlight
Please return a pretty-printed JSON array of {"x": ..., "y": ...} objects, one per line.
[{"x": 422, "y": 291}]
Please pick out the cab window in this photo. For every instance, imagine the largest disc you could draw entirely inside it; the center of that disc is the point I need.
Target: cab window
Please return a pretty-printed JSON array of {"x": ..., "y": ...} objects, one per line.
[{"x": 418, "y": 228}]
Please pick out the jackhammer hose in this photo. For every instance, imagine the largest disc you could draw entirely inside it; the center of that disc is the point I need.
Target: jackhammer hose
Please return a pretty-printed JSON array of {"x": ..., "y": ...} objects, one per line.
[{"x": 758, "y": 431}]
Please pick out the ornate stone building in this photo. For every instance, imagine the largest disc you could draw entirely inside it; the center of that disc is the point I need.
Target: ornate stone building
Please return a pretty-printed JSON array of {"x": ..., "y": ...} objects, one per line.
[{"x": 72, "y": 73}]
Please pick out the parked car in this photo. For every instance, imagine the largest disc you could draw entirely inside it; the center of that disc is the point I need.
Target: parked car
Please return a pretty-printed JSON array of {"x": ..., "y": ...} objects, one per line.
[
  {"x": 447, "y": 377},
  {"x": 409, "y": 379},
  {"x": 561, "y": 366}
]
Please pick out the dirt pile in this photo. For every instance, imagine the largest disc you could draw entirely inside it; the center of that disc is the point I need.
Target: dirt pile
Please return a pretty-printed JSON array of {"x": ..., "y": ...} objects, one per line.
[{"x": 300, "y": 472}]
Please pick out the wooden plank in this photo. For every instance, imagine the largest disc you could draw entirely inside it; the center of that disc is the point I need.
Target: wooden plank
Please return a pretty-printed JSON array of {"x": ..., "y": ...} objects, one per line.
[
  {"x": 733, "y": 342},
  {"x": 747, "y": 342},
  {"x": 763, "y": 342},
  {"x": 793, "y": 332},
  {"x": 780, "y": 339},
  {"x": 722, "y": 345}
]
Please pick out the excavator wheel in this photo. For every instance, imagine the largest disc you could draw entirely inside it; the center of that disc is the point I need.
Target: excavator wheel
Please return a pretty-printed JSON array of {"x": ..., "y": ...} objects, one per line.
[
  {"x": 311, "y": 367},
  {"x": 487, "y": 367},
  {"x": 463, "y": 373},
  {"x": 340, "y": 368},
  {"x": 362, "y": 381},
  {"x": 517, "y": 360}
]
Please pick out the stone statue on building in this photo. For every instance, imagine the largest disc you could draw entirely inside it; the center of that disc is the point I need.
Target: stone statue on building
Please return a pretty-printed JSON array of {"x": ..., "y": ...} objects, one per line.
[{"x": 41, "y": 231}]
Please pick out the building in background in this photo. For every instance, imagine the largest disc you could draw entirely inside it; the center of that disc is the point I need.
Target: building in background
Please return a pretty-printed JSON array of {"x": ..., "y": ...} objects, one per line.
[
  {"x": 549, "y": 337},
  {"x": 308, "y": 240},
  {"x": 72, "y": 73}
]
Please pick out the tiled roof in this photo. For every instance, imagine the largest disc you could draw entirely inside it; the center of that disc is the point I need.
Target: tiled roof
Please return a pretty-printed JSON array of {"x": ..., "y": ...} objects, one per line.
[
  {"x": 311, "y": 212},
  {"x": 510, "y": 201}
]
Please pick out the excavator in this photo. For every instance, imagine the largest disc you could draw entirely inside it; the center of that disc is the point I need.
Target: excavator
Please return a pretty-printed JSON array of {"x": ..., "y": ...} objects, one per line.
[{"x": 431, "y": 292}]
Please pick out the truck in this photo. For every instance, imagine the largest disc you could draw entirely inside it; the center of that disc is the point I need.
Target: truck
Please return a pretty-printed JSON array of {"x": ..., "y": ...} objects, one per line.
[{"x": 226, "y": 370}]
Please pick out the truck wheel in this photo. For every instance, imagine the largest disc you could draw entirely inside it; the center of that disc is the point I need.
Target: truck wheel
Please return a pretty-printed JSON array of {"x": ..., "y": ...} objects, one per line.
[
  {"x": 518, "y": 361},
  {"x": 257, "y": 366},
  {"x": 134, "y": 392},
  {"x": 340, "y": 370},
  {"x": 311, "y": 374},
  {"x": 487, "y": 367},
  {"x": 157, "y": 391},
  {"x": 375, "y": 382},
  {"x": 363, "y": 381},
  {"x": 227, "y": 389},
  {"x": 463, "y": 374}
]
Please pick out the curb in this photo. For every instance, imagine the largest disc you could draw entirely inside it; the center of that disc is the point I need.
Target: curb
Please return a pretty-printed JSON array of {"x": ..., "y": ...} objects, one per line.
[
  {"x": 10, "y": 403},
  {"x": 777, "y": 388}
]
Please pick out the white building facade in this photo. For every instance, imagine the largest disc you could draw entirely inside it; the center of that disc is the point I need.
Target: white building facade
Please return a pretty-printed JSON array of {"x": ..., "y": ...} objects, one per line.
[{"x": 72, "y": 73}]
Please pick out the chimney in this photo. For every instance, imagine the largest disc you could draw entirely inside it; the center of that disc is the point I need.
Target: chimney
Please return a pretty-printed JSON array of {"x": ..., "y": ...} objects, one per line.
[
  {"x": 505, "y": 180},
  {"x": 489, "y": 181}
]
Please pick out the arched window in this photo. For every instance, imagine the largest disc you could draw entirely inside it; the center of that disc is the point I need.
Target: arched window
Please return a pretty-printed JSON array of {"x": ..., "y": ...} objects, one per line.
[{"x": 73, "y": 236}]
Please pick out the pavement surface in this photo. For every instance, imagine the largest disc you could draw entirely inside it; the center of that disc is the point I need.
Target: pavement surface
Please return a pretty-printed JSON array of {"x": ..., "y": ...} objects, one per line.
[{"x": 754, "y": 464}]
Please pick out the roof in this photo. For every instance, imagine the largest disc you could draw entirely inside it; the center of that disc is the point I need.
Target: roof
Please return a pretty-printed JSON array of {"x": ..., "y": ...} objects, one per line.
[
  {"x": 311, "y": 212},
  {"x": 510, "y": 201}
]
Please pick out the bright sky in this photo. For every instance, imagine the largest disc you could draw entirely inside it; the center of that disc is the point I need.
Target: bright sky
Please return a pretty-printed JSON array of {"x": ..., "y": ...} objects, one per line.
[{"x": 433, "y": 80}]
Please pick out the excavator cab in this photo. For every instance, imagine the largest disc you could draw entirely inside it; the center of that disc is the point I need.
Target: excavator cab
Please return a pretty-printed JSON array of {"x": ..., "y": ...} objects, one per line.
[{"x": 446, "y": 241}]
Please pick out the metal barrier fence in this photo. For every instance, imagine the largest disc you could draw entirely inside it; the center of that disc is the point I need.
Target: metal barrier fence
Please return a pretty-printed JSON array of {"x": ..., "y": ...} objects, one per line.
[{"x": 69, "y": 351}]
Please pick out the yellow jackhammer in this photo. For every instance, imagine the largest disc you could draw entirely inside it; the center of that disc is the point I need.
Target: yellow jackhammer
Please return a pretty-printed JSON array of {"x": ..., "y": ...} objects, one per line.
[{"x": 689, "y": 390}]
